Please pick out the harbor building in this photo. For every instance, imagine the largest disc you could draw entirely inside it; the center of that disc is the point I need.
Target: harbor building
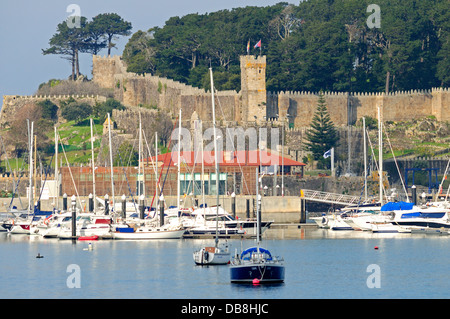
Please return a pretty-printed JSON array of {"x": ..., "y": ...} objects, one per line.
[{"x": 237, "y": 174}]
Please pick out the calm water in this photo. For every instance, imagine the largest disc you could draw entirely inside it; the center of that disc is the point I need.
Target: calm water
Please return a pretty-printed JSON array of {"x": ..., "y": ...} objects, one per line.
[{"x": 325, "y": 264}]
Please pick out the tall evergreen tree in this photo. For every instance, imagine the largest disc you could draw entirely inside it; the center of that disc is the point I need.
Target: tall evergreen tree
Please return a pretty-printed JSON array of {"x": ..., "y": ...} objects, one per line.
[
  {"x": 110, "y": 25},
  {"x": 323, "y": 135},
  {"x": 69, "y": 42}
]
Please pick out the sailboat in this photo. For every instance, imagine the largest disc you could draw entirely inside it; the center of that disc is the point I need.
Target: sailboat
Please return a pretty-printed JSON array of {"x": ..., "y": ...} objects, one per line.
[
  {"x": 214, "y": 255},
  {"x": 153, "y": 228},
  {"x": 24, "y": 222},
  {"x": 256, "y": 264}
]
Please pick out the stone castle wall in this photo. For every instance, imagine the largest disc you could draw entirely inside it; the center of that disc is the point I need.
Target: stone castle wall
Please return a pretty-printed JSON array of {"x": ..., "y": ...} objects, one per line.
[
  {"x": 12, "y": 103},
  {"x": 253, "y": 103},
  {"x": 298, "y": 107}
]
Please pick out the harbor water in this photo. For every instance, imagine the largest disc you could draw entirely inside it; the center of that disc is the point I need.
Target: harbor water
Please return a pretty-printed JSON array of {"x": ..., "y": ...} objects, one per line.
[{"x": 319, "y": 264}]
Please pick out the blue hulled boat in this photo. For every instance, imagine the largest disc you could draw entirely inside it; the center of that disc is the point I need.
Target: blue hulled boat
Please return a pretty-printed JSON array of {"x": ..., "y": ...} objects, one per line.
[{"x": 256, "y": 265}]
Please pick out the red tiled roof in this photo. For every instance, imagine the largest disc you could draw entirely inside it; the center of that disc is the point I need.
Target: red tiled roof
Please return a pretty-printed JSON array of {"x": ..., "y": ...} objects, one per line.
[{"x": 236, "y": 158}]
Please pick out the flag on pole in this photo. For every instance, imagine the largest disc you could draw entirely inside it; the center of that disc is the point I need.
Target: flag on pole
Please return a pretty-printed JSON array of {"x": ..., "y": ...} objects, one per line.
[
  {"x": 258, "y": 45},
  {"x": 248, "y": 47},
  {"x": 327, "y": 154}
]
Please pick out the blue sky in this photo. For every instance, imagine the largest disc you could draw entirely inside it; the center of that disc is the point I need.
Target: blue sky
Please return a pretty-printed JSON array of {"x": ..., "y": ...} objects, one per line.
[{"x": 26, "y": 27}]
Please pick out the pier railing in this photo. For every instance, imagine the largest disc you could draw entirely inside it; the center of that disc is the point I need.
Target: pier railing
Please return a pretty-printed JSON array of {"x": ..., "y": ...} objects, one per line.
[{"x": 331, "y": 198}]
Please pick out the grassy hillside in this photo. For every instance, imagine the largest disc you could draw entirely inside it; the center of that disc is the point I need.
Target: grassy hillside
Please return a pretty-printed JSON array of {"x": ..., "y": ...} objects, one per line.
[{"x": 76, "y": 140}]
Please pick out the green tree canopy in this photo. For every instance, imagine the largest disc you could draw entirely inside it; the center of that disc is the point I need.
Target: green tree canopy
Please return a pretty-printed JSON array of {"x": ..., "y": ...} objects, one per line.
[
  {"x": 87, "y": 37},
  {"x": 109, "y": 26},
  {"x": 313, "y": 46},
  {"x": 101, "y": 110},
  {"x": 76, "y": 111},
  {"x": 68, "y": 42},
  {"x": 323, "y": 135},
  {"x": 49, "y": 109}
]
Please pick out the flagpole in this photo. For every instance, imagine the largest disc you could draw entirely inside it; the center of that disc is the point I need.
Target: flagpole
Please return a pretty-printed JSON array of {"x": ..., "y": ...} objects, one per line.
[{"x": 332, "y": 162}]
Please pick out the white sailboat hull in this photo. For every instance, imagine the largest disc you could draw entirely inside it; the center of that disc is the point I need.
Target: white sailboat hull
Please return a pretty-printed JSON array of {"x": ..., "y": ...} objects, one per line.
[
  {"x": 149, "y": 234},
  {"x": 212, "y": 256},
  {"x": 101, "y": 231},
  {"x": 385, "y": 228}
]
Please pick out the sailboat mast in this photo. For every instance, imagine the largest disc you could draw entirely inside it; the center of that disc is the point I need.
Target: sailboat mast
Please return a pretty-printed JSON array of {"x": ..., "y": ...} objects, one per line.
[
  {"x": 380, "y": 155},
  {"x": 111, "y": 161},
  {"x": 179, "y": 162},
  {"x": 139, "y": 156},
  {"x": 365, "y": 159},
  {"x": 93, "y": 167},
  {"x": 216, "y": 160},
  {"x": 156, "y": 163},
  {"x": 257, "y": 211},
  {"x": 30, "y": 177},
  {"x": 35, "y": 169},
  {"x": 56, "y": 171},
  {"x": 203, "y": 182}
]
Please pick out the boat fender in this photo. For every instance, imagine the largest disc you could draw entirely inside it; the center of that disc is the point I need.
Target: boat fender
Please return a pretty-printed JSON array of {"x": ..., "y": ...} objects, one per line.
[{"x": 206, "y": 254}]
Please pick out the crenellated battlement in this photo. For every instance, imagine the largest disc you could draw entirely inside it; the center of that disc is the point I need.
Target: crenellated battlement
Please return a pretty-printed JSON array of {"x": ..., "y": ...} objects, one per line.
[
  {"x": 252, "y": 104},
  {"x": 12, "y": 103}
]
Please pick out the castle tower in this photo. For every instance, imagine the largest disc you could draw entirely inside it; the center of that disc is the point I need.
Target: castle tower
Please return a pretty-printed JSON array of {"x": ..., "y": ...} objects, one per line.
[{"x": 253, "y": 88}]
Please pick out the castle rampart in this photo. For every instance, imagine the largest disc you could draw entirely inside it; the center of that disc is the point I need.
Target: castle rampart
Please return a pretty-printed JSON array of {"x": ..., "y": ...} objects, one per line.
[
  {"x": 297, "y": 108},
  {"x": 12, "y": 103},
  {"x": 253, "y": 104}
]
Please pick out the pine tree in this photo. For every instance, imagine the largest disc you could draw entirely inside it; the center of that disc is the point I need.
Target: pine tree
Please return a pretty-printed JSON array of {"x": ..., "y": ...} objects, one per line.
[{"x": 323, "y": 135}]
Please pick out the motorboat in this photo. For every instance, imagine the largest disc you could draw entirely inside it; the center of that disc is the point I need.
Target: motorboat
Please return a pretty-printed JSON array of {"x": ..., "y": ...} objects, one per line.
[
  {"x": 365, "y": 221},
  {"x": 26, "y": 224},
  {"x": 204, "y": 221},
  {"x": 425, "y": 216},
  {"x": 401, "y": 215},
  {"x": 385, "y": 228},
  {"x": 340, "y": 223},
  {"x": 50, "y": 226},
  {"x": 86, "y": 225},
  {"x": 323, "y": 221},
  {"x": 354, "y": 217}
]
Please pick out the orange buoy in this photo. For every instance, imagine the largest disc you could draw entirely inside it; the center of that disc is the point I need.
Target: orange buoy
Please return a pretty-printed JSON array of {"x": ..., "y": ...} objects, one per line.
[
  {"x": 376, "y": 247},
  {"x": 256, "y": 281}
]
